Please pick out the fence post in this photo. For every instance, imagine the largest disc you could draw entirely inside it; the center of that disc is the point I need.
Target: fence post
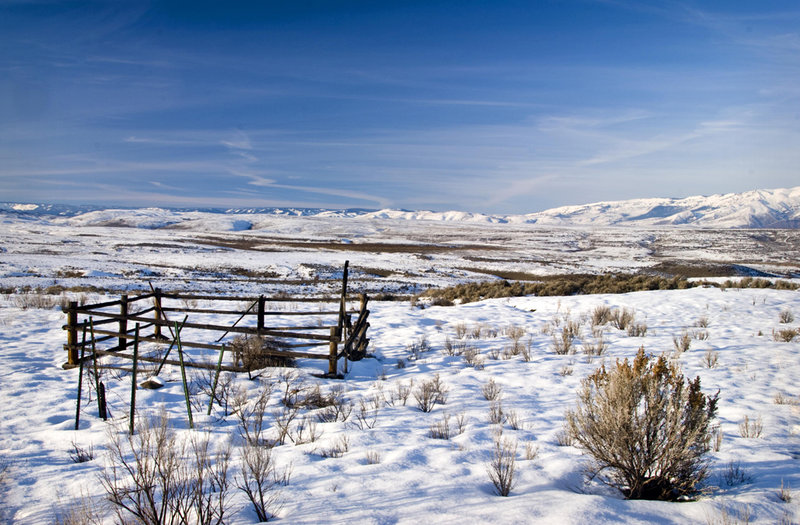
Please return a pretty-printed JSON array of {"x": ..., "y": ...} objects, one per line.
[
  {"x": 123, "y": 322},
  {"x": 334, "y": 350},
  {"x": 343, "y": 302},
  {"x": 72, "y": 334},
  {"x": 261, "y": 308},
  {"x": 158, "y": 313},
  {"x": 131, "y": 423}
]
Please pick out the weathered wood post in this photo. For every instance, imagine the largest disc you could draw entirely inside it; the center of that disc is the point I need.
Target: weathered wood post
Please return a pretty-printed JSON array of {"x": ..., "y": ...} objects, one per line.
[
  {"x": 261, "y": 307},
  {"x": 159, "y": 314},
  {"x": 123, "y": 322},
  {"x": 72, "y": 334},
  {"x": 342, "y": 303},
  {"x": 334, "y": 350}
]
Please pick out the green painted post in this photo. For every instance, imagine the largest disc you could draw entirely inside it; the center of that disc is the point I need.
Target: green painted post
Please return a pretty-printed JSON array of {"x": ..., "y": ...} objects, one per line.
[
  {"x": 133, "y": 379},
  {"x": 183, "y": 376}
]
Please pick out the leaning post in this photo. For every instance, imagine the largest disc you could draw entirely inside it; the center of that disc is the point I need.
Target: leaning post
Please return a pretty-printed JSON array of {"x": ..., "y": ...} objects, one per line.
[
  {"x": 342, "y": 303},
  {"x": 123, "y": 322},
  {"x": 158, "y": 313},
  {"x": 72, "y": 334},
  {"x": 334, "y": 350},
  {"x": 261, "y": 307}
]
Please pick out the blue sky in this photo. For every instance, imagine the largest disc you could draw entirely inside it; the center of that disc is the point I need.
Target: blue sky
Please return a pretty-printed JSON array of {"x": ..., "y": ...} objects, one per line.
[{"x": 488, "y": 106}]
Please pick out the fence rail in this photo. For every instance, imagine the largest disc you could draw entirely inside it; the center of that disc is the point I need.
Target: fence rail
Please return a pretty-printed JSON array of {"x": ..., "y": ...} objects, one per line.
[{"x": 126, "y": 319}]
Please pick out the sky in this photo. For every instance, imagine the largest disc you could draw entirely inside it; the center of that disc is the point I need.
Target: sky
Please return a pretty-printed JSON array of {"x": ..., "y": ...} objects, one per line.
[{"x": 502, "y": 107}]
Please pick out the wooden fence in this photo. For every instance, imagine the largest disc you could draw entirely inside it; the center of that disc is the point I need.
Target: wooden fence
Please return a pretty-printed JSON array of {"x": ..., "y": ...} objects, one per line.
[{"x": 155, "y": 317}]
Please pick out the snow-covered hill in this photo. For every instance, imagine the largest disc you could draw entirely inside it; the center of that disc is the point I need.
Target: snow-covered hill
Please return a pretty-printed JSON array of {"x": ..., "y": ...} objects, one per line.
[
  {"x": 778, "y": 208},
  {"x": 753, "y": 209}
]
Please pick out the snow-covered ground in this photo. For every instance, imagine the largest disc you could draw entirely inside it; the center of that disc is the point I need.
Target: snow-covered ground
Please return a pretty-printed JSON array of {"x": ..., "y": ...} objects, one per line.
[
  {"x": 201, "y": 251},
  {"x": 410, "y": 477},
  {"x": 418, "y": 479}
]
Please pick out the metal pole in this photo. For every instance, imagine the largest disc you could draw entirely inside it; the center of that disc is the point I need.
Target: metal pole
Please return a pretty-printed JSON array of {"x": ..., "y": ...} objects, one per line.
[
  {"x": 183, "y": 375},
  {"x": 133, "y": 379}
]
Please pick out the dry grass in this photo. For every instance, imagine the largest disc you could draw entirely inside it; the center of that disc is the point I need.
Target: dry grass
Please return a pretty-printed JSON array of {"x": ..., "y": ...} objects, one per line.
[{"x": 751, "y": 428}]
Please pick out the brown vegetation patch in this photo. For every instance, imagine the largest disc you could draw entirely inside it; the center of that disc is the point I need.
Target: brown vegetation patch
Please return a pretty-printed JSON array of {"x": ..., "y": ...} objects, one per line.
[
  {"x": 577, "y": 284},
  {"x": 266, "y": 245},
  {"x": 509, "y": 275},
  {"x": 696, "y": 269}
]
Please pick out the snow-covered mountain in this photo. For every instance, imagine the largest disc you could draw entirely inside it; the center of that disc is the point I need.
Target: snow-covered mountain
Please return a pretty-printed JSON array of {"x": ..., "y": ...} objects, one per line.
[{"x": 778, "y": 208}]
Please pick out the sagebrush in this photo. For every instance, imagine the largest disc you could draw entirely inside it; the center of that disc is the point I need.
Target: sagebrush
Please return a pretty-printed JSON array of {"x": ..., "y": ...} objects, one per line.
[{"x": 647, "y": 429}]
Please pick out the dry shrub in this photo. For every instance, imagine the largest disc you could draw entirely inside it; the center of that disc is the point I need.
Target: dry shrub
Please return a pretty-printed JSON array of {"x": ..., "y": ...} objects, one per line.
[
  {"x": 710, "y": 358},
  {"x": 601, "y": 315},
  {"x": 372, "y": 457},
  {"x": 252, "y": 423},
  {"x": 734, "y": 474},
  {"x": 82, "y": 510},
  {"x": 646, "y": 428},
  {"x": 785, "y": 493},
  {"x": 621, "y": 318},
  {"x": 440, "y": 429},
  {"x": 562, "y": 343},
  {"x": 257, "y": 352},
  {"x": 338, "y": 449},
  {"x": 682, "y": 342},
  {"x": 786, "y": 317},
  {"x": 261, "y": 482},
  {"x": 514, "y": 332},
  {"x": 637, "y": 330},
  {"x": 491, "y": 390},
  {"x": 496, "y": 414},
  {"x": 786, "y": 335},
  {"x": 429, "y": 393},
  {"x": 751, "y": 428},
  {"x": 502, "y": 467},
  {"x": 594, "y": 348},
  {"x": 37, "y": 299},
  {"x": 155, "y": 478}
]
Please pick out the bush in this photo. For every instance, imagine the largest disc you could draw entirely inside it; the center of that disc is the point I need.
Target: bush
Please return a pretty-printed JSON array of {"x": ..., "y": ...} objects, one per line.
[
  {"x": 151, "y": 481},
  {"x": 786, "y": 335},
  {"x": 502, "y": 467},
  {"x": 257, "y": 352},
  {"x": 647, "y": 430}
]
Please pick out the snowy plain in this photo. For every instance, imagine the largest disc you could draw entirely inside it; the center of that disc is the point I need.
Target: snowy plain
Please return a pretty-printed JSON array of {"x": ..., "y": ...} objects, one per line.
[{"x": 410, "y": 476}]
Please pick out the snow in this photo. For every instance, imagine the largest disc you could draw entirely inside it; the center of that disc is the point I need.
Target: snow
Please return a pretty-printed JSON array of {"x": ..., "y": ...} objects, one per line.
[
  {"x": 418, "y": 479},
  {"x": 421, "y": 479}
]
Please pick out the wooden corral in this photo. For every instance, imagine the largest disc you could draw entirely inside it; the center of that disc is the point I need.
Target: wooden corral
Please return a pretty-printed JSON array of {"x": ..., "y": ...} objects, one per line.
[{"x": 326, "y": 327}]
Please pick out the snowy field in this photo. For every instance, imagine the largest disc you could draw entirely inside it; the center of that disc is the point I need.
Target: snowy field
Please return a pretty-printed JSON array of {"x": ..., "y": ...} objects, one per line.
[
  {"x": 393, "y": 470},
  {"x": 263, "y": 253}
]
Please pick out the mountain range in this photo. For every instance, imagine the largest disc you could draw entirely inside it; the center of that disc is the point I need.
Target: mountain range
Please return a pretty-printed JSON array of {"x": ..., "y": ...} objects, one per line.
[{"x": 777, "y": 208}]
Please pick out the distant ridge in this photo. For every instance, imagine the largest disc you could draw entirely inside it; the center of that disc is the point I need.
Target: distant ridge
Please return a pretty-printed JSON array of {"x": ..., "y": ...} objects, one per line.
[{"x": 778, "y": 208}]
